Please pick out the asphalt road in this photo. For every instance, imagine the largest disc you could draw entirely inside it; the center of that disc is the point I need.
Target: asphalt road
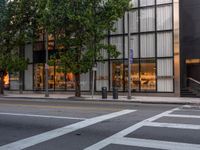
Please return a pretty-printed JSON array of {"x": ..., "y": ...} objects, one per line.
[{"x": 41, "y": 125}]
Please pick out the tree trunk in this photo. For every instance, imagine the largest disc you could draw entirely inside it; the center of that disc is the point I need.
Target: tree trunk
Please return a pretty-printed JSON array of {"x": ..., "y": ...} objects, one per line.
[
  {"x": 2, "y": 85},
  {"x": 77, "y": 86}
]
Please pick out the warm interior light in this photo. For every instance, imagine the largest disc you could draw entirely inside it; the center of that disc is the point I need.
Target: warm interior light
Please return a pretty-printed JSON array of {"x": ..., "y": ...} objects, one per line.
[{"x": 6, "y": 79}]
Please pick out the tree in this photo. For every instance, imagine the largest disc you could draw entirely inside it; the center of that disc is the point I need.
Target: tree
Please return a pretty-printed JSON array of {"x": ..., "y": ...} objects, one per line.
[
  {"x": 16, "y": 29},
  {"x": 79, "y": 27}
]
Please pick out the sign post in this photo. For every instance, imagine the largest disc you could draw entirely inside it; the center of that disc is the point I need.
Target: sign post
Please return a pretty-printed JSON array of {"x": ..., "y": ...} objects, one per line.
[
  {"x": 94, "y": 69},
  {"x": 129, "y": 57}
]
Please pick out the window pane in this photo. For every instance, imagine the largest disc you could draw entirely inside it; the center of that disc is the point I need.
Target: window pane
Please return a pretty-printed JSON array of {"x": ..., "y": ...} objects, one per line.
[
  {"x": 164, "y": 44},
  {"x": 70, "y": 81},
  {"x": 85, "y": 82},
  {"x": 134, "y": 46},
  {"x": 164, "y": 17},
  {"x": 133, "y": 21},
  {"x": 38, "y": 76},
  {"x": 59, "y": 78},
  {"x": 165, "y": 67},
  {"x": 14, "y": 81},
  {"x": 118, "y": 42},
  {"x": 147, "y": 45},
  {"x": 39, "y": 46},
  {"x": 117, "y": 75},
  {"x": 147, "y": 19},
  {"x": 147, "y": 2},
  {"x": 165, "y": 85},
  {"x": 102, "y": 76},
  {"x": 119, "y": 27},
  {"x": 28, "y": 78},
  {"x": 51, "y": 76},
  {"x": 29, "y": 52},
  {"x": 104, "y": 52},
  {"x": 148, "y": 75},
  {"x": 163, "y": 1},
  {"x": 134, "y": 3},
  {"x": 134, "y": 76}
]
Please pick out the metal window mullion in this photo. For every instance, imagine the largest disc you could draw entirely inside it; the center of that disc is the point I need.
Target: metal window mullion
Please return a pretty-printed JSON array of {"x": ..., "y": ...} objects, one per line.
[
  {"x": 156, "y": 48},
  {"x": 139, "y": 42}
]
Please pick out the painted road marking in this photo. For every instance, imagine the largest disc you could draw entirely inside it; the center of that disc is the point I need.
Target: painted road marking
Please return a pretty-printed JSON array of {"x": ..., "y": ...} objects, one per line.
[
  {"x": 183, "y": 116},
  {"x": 173, "y": 125},
  {"x": 31, "y": 141},
  {"x": 155, "y": 144},
  {"x": 127, "y": 131},
  {"x": 42, "y": 116}
]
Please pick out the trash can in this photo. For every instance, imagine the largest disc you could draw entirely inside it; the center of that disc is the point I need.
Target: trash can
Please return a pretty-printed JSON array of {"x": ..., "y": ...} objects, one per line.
[
  {"x": 115, "y": 93},
  {"x": 104, "y": 92}
]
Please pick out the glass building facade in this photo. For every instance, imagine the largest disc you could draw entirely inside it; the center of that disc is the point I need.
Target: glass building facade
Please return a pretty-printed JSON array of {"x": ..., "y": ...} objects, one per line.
[
  {"x": 151, "y": 26},
  {"x": 152, "y": 39}
]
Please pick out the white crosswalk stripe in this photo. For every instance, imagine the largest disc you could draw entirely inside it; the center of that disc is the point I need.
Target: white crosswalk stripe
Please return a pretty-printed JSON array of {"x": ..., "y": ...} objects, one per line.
[
  {"x": 120, "y": 139},
  {"x": 173, "y": 125},
  {"x": 31, "y": 141}
]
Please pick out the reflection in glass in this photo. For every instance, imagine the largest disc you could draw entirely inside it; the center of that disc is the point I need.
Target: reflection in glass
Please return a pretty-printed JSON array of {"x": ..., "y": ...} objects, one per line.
[
  {"x": 135, "y": 82},
  {"x": 148, "y": 75},
  {"x": 51, "y": 78},
  {"x": 38, "y": 76},
  {"x": 102, "y": 76},
  {"x": 59, "y": 78},
  {"x": 70, "y": 81},
  {"x": 117, "y": 75}
]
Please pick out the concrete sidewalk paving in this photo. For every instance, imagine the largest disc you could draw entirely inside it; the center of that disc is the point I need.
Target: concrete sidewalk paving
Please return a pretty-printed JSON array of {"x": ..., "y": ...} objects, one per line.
[{"x": 70, "y": 97}]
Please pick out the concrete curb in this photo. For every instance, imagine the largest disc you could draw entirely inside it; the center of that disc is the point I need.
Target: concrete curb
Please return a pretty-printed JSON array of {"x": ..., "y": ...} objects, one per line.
[{"x": 83, "y": 99}]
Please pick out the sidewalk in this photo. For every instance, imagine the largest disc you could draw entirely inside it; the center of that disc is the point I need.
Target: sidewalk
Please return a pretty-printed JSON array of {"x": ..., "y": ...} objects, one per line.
[{"x": 136, "y": 99}]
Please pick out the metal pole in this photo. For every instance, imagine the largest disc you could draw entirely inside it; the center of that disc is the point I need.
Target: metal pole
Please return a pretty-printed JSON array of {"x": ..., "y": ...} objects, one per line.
[
  {"x": 93, "y": 73},
  {"x": 129, "y": 59},
  {"x": 94, "y": 69},
  {"x": 46, "y": 66}
]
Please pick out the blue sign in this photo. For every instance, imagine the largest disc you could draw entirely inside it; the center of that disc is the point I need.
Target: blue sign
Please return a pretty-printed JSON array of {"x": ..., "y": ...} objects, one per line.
[{"x": 131, "y": 56}]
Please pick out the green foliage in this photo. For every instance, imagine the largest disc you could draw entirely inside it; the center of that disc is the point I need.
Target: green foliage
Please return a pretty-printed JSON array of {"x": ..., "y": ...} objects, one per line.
[
  {"x": 79, "y": 27},
  {"x": 16, "y": 29}
]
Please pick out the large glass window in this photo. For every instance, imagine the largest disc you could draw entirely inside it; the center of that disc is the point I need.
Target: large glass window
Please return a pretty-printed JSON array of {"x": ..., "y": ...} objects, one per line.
[
  {"x": 164, "y": 17},
  {"x": 133, "y": 16},
  {"x": 39, "y": 46},
  {"x": 117, "y": 70},
  {"x": 102, "y": 76},
  {"x": 70, "y": 81},
  {"x": 85, "y": 82},
  {"x": 38, "y": 76},
  {"x": 6, "y": 81},
  {"x": 163, "y": 1},
  {"x": 14, "y": 81},
  {"x": 165, "y": 75},
  {"x": 28, "y": 78},
  {"x": 148, "y": 75},
  {"x": 59, "y": 77},
  {"x": 164, "y": 44},
  {"x": 135, "y": 80},
  {"x": 134, "y": 3},
  {"x": 103, "y": 52},
  {"x": 119, "y": 27},
  {"x": 147, "y": 46},
  {"x": 147, "y": 19},
  {"x": 51, "y": 75},
  {"x": 134, "y": 46},
  {"x": 118, "y": 42},
  {"x": 146, "y": 2}
]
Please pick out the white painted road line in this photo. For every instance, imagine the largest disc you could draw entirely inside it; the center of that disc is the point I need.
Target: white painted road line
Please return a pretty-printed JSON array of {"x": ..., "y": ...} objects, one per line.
[
  {"x": 173, "y": 125},
  {"x": 42, "y": 116},
  {"x": 127, "y": 131},
  {"x": 183, "y": 116},
  {"x": 31, "y": 141},
  {"x": 156, "y": 144}
]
